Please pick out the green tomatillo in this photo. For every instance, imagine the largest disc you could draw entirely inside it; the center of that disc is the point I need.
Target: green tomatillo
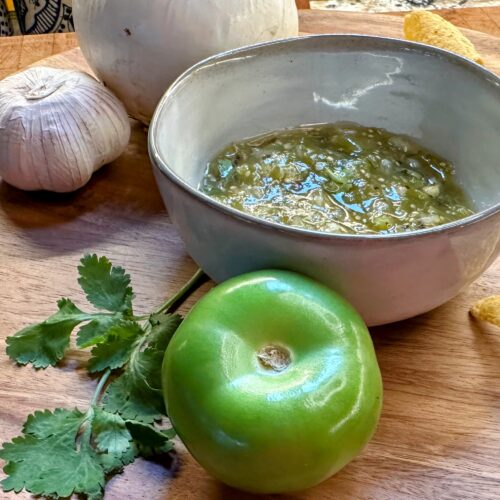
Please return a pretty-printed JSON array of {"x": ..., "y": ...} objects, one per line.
[{"x": 272, "y": 382}]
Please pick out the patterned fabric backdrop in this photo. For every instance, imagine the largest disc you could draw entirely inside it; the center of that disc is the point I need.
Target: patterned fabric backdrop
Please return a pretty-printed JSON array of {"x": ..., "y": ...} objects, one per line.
[
  {"x": 5, "y": 23},
  {"x": 49, "y": 16},
  {"x": 29, "y": 17}
]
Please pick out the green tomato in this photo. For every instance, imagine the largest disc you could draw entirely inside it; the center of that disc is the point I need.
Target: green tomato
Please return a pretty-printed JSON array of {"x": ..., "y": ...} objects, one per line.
[{"x": 272, "y": 382}]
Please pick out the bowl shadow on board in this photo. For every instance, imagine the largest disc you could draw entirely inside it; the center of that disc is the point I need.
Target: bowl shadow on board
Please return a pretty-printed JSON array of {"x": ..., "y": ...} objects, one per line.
[
  {"x": 118, "y": 195},
  {"x": 388, "y": 335},
  {"x": 399, "y": 331}
]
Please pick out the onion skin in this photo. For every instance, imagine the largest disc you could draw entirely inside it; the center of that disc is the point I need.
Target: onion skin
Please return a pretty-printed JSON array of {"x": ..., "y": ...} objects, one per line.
[
  {"x": 139, "y": 48},
  {"x": 57, "y": 127}
]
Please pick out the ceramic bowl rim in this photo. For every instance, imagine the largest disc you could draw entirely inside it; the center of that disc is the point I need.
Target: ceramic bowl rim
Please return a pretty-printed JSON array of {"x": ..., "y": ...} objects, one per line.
[{"x": 378, "y": 42}]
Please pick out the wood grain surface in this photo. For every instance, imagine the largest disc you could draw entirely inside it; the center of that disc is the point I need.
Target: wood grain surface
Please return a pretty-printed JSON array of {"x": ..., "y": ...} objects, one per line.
[
  {"x": 17, "y": 52},
  {"x": 439, "y": 434}
]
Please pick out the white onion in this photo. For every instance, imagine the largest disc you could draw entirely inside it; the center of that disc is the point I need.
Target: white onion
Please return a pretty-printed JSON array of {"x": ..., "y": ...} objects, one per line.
[{"x": 137, "y": 48}]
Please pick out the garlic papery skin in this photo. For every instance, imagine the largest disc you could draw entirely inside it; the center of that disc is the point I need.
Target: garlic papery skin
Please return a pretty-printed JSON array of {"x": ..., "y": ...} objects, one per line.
[{"x": 57, "y": 127}]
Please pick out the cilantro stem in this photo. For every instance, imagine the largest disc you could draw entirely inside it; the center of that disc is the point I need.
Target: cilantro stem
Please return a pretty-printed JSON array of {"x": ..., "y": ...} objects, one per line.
[
  {"x": 99, "y": 388},
  {"x": 196, "y": 280},
  {"x": 140, "y": 318},
  {"x": 85, "y": 431}
]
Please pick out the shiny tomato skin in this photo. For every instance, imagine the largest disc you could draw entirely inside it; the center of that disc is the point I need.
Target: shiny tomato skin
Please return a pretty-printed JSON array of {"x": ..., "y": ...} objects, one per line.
[{"x": 262, "y": 430}]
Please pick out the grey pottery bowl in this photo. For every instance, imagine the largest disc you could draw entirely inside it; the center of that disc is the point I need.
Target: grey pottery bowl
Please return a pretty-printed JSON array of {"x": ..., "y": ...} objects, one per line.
[{"x": 448, "y": 103}]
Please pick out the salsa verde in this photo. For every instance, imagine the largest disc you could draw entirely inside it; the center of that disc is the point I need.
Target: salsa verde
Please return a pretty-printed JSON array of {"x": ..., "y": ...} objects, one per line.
[{"x": 338, "y": 178}]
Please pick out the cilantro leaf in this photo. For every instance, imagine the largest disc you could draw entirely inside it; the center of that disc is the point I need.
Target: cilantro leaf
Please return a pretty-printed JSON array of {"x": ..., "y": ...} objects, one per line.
[
  {"x": 46, "y": 459},
  {"x": 163, "y": 327},
  {"x": 55, "y": 458},
  {"x": 41, "y": 424},
  {"x": 87, "y": 473},
  {"x": 45, "y": 343},
  {"x": 114, "y": 462},
  {"x": 150, "y": 440},
  {"x": 60, "y": 473},
  {"x": 67, "y": 452},
  {"x": 116, "y": 350},
  {"x": 136, "y": 394},
  {"x": 105, "y": 286},
  {"x": 96, "y": 330},
  {"x": 97, "y": 495},
  {"x": 110, "y": 433}
]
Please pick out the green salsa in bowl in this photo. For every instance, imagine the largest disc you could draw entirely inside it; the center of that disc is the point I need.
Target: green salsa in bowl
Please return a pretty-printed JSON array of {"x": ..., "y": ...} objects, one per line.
[{"x": 343, "y": 178}]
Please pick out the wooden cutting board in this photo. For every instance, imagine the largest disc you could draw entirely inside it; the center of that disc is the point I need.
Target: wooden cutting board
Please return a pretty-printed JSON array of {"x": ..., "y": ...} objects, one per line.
[{"x": 439, "y": 435}]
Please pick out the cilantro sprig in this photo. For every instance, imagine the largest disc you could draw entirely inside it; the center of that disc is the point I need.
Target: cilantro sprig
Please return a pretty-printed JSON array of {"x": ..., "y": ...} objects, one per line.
[{"x": 69, "y": 451}]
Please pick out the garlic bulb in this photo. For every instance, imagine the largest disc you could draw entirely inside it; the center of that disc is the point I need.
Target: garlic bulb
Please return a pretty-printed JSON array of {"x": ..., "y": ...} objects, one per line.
[
  {"x": 57, "y": 127},
  {"x": 139, "y": 48}
]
